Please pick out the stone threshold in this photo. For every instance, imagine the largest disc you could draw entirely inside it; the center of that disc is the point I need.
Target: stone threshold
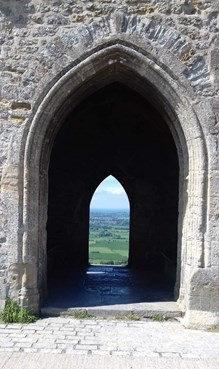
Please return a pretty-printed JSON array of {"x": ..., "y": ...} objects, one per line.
[{"x": 155, "y": 310}]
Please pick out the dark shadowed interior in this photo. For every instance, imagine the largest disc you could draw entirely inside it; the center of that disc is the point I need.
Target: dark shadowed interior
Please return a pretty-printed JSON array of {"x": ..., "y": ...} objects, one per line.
[{"x": 114, "y": 131}]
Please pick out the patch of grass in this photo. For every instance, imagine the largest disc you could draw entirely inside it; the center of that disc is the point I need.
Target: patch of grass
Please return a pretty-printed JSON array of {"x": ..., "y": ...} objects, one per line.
[
  {"x": 214, "y": 328},
  {"x": 159, "y": 318},
  {"x": 128, "y": 316},
  {"x": 82, "y": 314},
  {"x": 13, "y": 313}
]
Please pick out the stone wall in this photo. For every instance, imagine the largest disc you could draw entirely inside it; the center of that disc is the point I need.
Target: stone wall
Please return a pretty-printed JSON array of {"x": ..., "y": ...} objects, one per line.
[
  {"x": 41, "y": 43},
  {"x": 34, "y": 34}
]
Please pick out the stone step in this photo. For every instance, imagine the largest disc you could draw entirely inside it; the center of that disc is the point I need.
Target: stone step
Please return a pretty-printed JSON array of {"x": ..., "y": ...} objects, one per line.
[{"x": 155, "y": 310}]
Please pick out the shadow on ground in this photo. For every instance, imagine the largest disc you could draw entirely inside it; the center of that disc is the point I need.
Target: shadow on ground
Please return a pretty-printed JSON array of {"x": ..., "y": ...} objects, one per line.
[{"x": 107, "y": 285}]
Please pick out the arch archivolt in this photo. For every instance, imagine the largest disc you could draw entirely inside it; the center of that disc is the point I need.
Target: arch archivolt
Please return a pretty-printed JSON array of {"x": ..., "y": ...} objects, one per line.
[
  {"x": 149, "y": 60},
  {"x": 170, "y": 49}
]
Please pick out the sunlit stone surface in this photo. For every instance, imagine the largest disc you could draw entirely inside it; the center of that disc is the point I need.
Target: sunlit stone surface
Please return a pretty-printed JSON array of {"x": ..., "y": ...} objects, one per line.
[{"x": 126, "y": 88}]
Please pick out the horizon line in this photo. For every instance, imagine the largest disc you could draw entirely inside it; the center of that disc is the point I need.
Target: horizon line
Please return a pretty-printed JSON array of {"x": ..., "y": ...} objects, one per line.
[{"x": 109, "y": 209}]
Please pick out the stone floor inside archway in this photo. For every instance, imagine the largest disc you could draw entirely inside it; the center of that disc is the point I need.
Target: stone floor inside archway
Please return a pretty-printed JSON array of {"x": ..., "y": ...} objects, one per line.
[{"x": 107, "y": 291}]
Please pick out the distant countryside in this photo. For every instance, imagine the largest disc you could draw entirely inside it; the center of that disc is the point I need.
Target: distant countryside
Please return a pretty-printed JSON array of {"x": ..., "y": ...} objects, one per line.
[{"x": 109, "y": 237}]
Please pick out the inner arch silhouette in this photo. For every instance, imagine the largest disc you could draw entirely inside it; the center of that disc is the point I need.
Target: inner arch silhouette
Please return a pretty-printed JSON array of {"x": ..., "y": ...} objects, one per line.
[{"x": 109, "y": 224}]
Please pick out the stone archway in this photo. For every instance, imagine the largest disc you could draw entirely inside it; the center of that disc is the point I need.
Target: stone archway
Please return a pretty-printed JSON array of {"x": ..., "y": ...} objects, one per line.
[
  {"x": 114, "y": 130},
  {"x": 121, "y": 62},
  {"x": 118, "y": 62}
]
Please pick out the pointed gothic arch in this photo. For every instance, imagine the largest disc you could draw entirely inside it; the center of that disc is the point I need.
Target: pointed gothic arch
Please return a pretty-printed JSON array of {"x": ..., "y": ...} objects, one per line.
[
  {"x": 109, "y": 201},
  {"x": 120, "y": 62},
  {"x": 117, "y": 182}
]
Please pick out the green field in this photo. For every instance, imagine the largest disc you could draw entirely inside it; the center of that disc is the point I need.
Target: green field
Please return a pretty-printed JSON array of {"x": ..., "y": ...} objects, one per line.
[{"x": 109, "y": 237}]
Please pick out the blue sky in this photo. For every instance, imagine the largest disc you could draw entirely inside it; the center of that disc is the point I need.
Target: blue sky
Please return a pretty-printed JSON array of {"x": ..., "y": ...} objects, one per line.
[{"x": 109, "y": 195}]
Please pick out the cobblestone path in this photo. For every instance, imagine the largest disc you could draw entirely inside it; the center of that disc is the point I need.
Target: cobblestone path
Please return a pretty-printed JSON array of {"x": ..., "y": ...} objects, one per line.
[{"x": 104, "y": 337}]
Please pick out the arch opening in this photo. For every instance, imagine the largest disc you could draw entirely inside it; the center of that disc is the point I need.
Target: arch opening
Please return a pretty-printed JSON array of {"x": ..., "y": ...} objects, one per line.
[
  {"x": 109, "y": 224},
  {"x": 114, "y": 130},
  {"x": 170, "y": 93}
]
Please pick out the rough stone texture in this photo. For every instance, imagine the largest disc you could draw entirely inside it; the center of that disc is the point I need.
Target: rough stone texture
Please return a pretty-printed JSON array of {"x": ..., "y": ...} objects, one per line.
[{"x": 56, "y": 53}]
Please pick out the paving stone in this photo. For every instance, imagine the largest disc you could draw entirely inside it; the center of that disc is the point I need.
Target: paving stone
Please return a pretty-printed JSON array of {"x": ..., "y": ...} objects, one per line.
[
  {"x": 63, "y": 346},
  {"x": 9, "y": 349},
  {"x": 5, "y": 331},
  {"x": 28, "y": 331},
  {"x": 68, "y": 333},
  {"x": 61, "y": 337},
  {"x": 52, "y": 350},
  {"x": 30, "y": 349},
  {"x": 89, "y": 335},
  {"x": 15, "y": 326},
  {"x": 49, "y": 331},
  {"x": 83, "y": 330},
  {"x": 90, "y": 342},
  {"x": 17, "y": 335},
  {"x": 38, "y": 327},
  {"x": 86, "y": 347},
  {"x": 23, "y": 344},
  {"x": 42, "y": 345},
  {"x": 5, "y": 338},
  {"x": 67, "y": 341},
  {"x": 76, "y": 352},
  {"x": 6, "y": 344}
]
